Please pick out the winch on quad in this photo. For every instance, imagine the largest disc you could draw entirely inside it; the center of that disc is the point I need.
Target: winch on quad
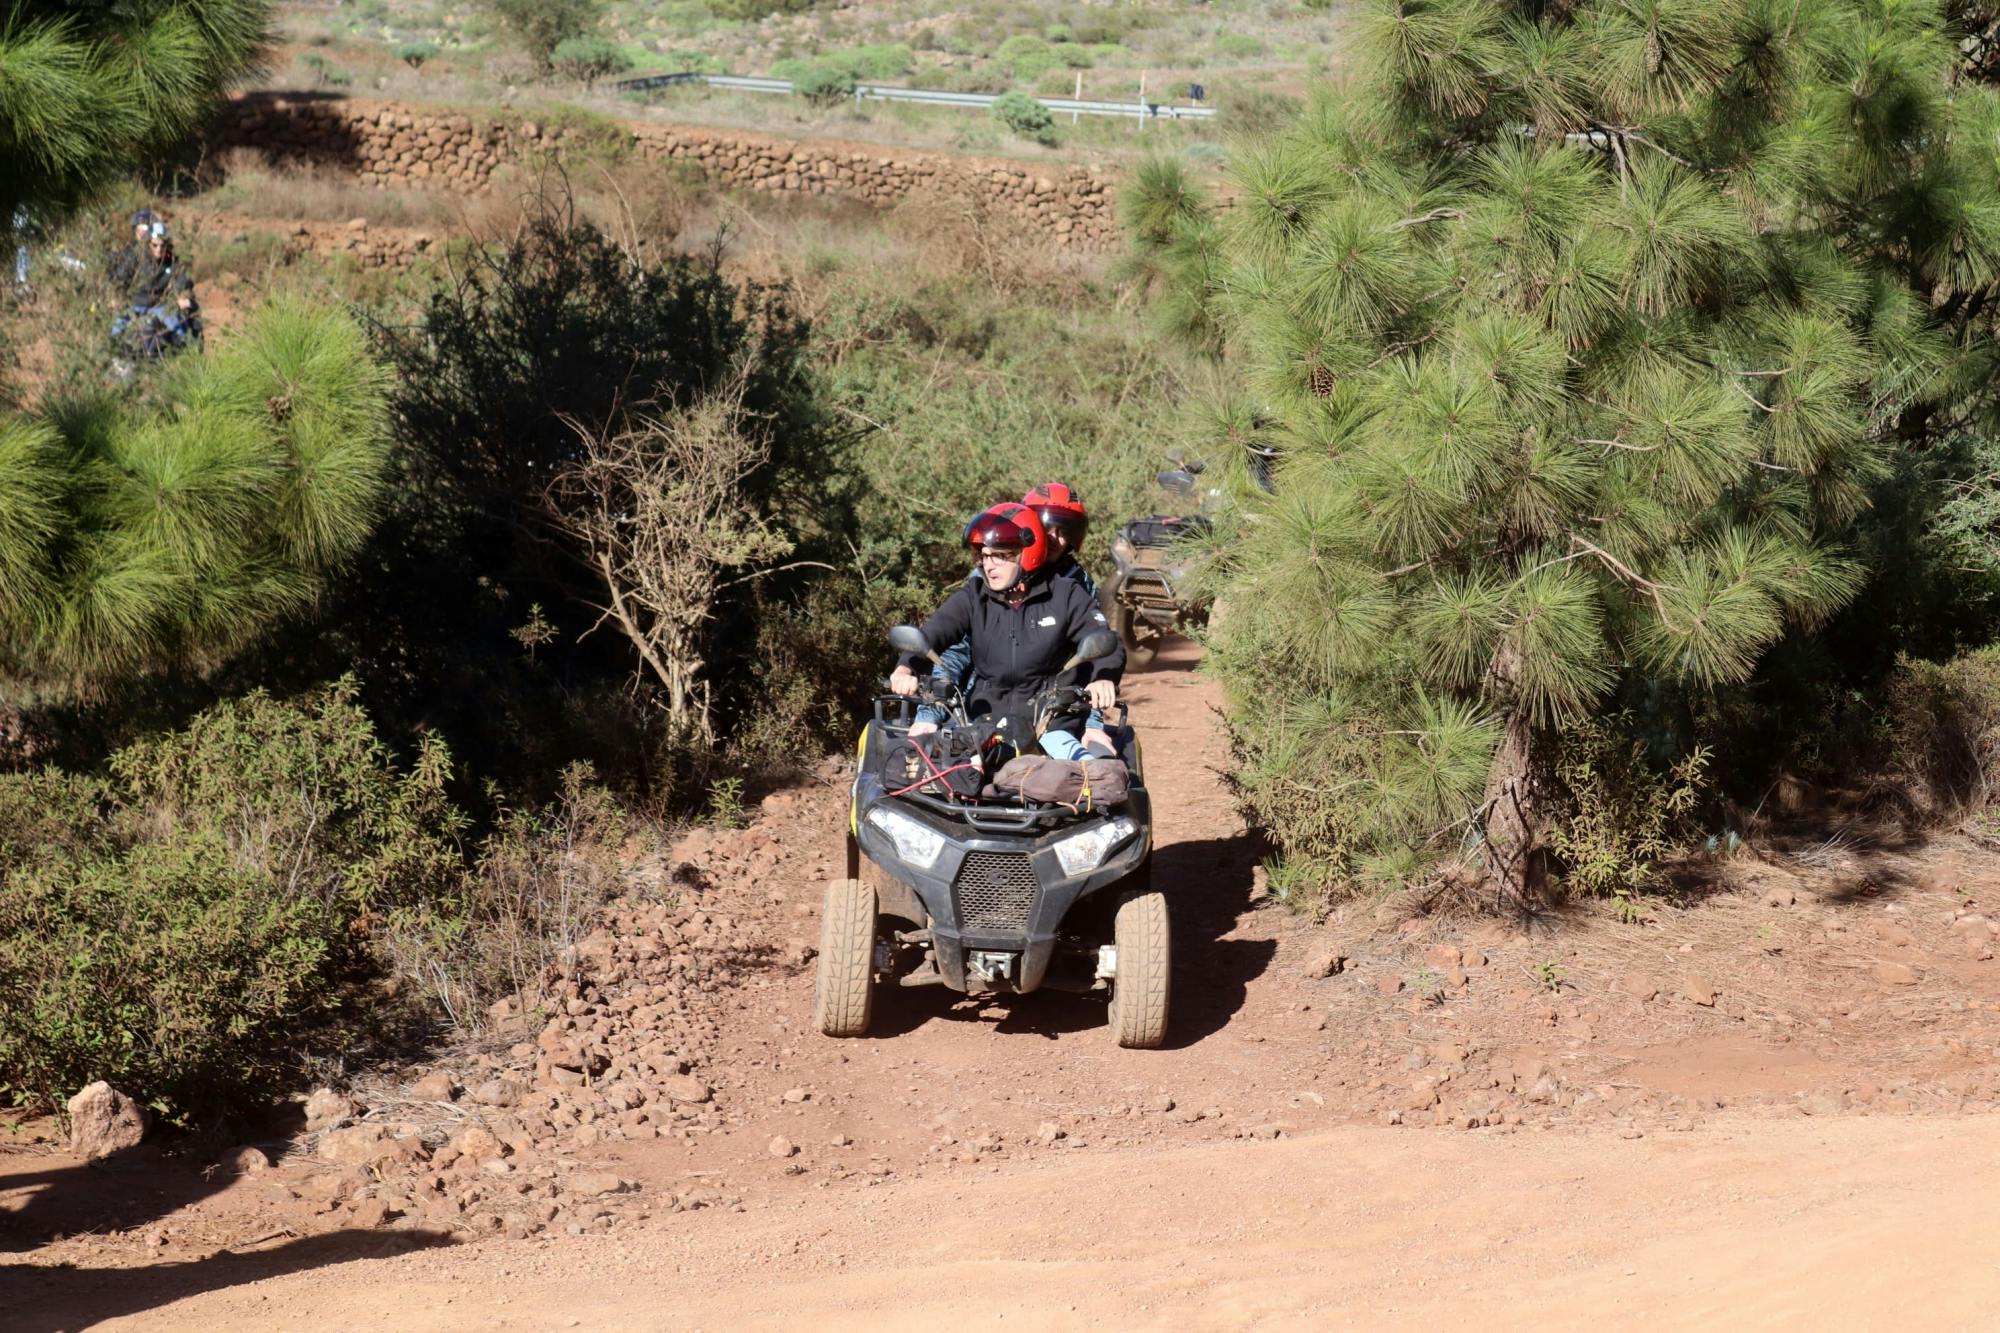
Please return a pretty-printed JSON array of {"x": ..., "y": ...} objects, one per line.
[{"x": 956, "y": 881}]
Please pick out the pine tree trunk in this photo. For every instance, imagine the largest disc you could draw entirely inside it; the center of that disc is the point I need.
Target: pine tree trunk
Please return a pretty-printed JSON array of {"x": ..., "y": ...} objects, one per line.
[{"x": 1511, "y": 811}]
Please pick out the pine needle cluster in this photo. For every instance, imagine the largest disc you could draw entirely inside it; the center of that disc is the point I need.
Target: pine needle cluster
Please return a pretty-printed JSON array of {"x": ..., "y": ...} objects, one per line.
[
  {"x": 86, "y": 90},
  {"x": 1582, "y": 327},
  {"x": 135, "y": 539}
]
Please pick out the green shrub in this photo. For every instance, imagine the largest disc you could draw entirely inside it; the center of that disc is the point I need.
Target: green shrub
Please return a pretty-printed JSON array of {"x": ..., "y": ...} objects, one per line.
[
  {"x": 588, "y": 58},
  {"x": 585, "y": 133},
  {"x": 538, "y": 27},
  {"x": 1238, "y": 46},
  {"x": 818, "y": 659},
  {"x": 1943, "y": 730},
  {"x": 556, "y": 330},
  {"x": 416, "y": 54},
  {"x": 186, "y": 925},
  {"x": 1025, "y": 116},
  {"x": 751, "y": 10},
  {"x": 873, "y": 62},
  {"x": 1615, "y": 816},
  {"x": 822, "y": 84},
  {"x": 1026, "y": 58},
  {"x": 325, "y": 74}
]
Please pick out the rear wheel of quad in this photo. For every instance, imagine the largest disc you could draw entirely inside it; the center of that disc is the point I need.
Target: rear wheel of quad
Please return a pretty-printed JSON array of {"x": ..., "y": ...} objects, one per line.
[
  {"x": 1145, "y": 958},
  {"x": 844, "y": 984}
]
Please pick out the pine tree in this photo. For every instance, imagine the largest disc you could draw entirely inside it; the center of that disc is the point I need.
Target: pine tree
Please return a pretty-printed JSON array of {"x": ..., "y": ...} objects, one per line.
[
  {"x": 87, "y": 89},
  {"x": 1582, "y": 326},
  {"x": 133, "y": 540}
]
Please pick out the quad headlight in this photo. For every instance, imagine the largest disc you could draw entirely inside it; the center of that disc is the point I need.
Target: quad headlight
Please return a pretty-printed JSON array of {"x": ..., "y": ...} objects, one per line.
[
  {"x": 1085, "y": 851},
  {"x": 917, "y": 844}
]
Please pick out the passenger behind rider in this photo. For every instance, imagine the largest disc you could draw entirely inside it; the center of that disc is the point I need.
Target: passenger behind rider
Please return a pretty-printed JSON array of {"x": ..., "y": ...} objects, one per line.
[
  {"x": 1021, "y": 622},
  {"x": 122, "y": 268},
  {"x": 1066, "y": 523},
  {"x": 161, "y": 278}
]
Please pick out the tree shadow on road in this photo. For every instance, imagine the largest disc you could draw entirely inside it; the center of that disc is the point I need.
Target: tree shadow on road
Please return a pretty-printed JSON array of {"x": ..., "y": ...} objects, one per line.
[
  {"x": 47, "y": 1299},
  {"x": 117, "y": 1193},
  {"x": 1208, "y": 884}
]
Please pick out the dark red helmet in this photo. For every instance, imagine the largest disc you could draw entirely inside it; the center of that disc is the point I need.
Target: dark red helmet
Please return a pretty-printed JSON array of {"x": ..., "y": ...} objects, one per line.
[
  {"x": 1057, "y": 506},
  {"x": 1010, "y": 524}
]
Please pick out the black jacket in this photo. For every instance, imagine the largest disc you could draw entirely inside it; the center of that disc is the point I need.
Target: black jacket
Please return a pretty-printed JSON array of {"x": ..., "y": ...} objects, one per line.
[
  {"x": 155, "y": 283},
  {"x": 1019, "y": 650}
]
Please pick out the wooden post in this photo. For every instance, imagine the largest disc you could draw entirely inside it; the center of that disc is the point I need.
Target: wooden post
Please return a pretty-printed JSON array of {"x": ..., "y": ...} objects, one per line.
[
  {"x": 1079, "y": 96},
  {"x": 1142, "y": 99}
]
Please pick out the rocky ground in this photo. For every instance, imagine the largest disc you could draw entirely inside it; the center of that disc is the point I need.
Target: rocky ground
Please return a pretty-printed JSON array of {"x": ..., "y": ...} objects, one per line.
[{"x": 679, "y": 1081}]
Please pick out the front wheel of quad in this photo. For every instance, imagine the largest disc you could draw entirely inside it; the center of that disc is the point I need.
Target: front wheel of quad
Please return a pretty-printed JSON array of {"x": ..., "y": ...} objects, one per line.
[
  {"x": 844, "y": 984},
  {"x": 1145, "y": 957},
  {"x": 1129, "y": 629}
]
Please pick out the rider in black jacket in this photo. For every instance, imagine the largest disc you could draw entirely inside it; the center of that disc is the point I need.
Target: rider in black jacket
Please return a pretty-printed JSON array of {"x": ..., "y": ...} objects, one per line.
[{"x": 1023, "y": 624}]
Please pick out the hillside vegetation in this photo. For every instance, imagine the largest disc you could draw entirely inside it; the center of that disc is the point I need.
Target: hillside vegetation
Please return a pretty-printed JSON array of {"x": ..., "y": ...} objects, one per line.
[{"x": 1628, "y": 372}]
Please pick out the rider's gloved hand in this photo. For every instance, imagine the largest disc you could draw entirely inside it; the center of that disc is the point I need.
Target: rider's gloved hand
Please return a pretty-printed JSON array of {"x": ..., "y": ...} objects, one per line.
[
  {"x": 1103, "y": 694},
  {"x": 903, "y": 681},
  {"x": 1097, "y": 739}
]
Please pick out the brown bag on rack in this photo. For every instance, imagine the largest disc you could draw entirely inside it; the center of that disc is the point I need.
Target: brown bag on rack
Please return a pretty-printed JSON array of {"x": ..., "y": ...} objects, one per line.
[{"x": 1092, "y": 784}]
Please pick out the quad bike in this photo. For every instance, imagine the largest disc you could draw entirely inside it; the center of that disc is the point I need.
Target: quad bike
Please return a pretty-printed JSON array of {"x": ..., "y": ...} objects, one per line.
[
  {"x": 1146, "y": 596},
  {"x": 978, "y": 890},
  {"x": 149, "y": 332}
]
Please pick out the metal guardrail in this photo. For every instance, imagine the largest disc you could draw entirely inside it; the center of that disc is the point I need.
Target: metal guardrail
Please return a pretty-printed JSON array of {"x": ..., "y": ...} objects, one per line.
[{"x": 882, "y": 92}]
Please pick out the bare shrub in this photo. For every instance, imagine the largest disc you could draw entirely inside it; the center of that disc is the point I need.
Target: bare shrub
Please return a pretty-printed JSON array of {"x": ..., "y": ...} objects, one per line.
[
  {"x": 543, "y": 879},
  {"x": 663, "y": 516}
]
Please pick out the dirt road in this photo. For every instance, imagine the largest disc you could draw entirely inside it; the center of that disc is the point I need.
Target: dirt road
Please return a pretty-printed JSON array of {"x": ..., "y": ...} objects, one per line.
[
  {"x": 1843, "y": 1224},
  {"x": 1762, "y": 1107}
]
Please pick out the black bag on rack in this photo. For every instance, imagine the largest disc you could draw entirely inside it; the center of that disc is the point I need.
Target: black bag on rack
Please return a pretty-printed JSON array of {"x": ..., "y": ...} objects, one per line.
[{"x": 942, "y": 764}]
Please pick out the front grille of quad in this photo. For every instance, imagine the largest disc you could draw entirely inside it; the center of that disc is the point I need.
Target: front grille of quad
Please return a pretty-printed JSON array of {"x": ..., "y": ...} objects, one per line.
[{"x": 994, "y": 891}]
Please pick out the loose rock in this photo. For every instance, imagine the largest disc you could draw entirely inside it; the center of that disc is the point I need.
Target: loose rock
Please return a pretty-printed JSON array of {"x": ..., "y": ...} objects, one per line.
[
  {"x": 103, "y": 1120},
  {"x": 326, "y": 1108},
  {"x": 685, "y": 1088},
  {"x": 1324, "y": 965},
  {"x": 595, "y": 1184}
]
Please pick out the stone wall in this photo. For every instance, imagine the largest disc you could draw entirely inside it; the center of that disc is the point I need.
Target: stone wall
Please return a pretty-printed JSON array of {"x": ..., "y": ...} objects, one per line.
[{"x": 390, "y": 144}]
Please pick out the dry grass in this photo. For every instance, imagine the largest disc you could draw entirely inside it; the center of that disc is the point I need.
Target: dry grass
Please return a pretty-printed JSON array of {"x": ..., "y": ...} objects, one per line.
[{"x": 308, "y": 192}]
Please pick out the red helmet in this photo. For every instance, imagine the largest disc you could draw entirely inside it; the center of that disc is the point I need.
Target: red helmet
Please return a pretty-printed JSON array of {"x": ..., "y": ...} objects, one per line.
[
  {"x": 1059, "y": 507},
  {"x": 1010, "y": 524}
]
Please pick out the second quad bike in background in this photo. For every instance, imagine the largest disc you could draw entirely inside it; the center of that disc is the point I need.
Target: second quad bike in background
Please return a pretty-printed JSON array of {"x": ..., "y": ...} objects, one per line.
[{"x": 1147, "y": 596}]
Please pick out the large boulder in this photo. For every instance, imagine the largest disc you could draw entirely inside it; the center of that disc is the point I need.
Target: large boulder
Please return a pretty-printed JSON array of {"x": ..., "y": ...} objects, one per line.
[{"x": 103, "y": 1120}]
